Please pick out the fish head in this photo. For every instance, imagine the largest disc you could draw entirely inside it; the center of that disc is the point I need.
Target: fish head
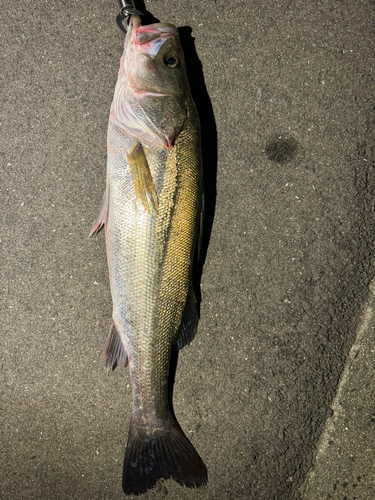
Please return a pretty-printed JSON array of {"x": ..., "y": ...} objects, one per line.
[{"x": 150, "y": 95}]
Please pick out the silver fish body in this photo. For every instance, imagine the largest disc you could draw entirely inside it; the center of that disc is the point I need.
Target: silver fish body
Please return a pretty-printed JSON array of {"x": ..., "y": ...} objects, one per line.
[{"x": 150, "y": 209}]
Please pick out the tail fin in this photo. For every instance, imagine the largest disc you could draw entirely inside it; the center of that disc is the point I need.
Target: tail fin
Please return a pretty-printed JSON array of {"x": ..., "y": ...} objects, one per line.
[{"x": 162, "y": 453}]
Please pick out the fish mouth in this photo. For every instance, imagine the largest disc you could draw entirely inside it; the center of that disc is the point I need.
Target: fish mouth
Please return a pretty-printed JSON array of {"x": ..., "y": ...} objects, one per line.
[{"x": 148, "y": 39}]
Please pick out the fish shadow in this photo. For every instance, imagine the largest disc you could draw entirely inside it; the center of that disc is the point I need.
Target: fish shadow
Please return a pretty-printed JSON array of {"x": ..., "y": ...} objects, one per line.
[{"x": 202, "y": 101}]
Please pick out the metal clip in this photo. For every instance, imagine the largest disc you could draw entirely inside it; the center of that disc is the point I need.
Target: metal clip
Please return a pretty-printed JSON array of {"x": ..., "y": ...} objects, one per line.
[{"x": 127, "y": 10}]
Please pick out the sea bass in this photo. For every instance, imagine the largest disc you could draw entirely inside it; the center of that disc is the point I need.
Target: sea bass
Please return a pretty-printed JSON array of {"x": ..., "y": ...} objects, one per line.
[{"x": 150, "y": 210}]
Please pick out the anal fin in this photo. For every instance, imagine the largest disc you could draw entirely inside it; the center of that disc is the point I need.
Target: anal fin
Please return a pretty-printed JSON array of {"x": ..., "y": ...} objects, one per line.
[
  {"x": 141, "y": 178},
  {"x": 115, "y": 354}
]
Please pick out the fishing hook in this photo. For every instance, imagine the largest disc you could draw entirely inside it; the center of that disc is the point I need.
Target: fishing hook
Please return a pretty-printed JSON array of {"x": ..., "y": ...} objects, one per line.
[{"x": 127, "y": 9}]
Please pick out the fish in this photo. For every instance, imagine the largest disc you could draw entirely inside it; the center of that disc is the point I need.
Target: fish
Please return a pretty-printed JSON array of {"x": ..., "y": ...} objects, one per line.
[{"x": 151, "y": 210}]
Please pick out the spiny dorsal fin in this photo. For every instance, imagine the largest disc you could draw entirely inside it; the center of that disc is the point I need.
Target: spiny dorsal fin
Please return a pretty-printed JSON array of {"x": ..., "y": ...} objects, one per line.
[{"x": 141, "y": 178}]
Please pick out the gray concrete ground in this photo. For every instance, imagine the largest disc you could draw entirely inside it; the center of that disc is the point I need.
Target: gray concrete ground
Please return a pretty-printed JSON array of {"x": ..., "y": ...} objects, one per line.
[
  {"x": 345, "y": 460},
  {"x": 285, "y": 95}
]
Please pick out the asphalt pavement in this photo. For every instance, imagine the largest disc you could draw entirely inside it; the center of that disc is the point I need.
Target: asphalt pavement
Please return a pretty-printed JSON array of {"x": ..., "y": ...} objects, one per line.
[
  {"x": 345, "y": 459},
  {"x": 275, "y": 392}
]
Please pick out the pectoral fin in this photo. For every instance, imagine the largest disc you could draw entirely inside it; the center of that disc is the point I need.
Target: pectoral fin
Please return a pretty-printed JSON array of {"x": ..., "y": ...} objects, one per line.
[{"x": 141, "y": 178}]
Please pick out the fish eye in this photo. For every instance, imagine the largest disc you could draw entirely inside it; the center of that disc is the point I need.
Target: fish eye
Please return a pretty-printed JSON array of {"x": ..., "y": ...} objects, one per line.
[{"x": 171, "y": 62}]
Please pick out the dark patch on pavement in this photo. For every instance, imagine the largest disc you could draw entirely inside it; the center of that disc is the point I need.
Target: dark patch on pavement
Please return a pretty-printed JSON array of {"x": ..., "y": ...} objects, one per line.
[{"x": 282, "y": 149}]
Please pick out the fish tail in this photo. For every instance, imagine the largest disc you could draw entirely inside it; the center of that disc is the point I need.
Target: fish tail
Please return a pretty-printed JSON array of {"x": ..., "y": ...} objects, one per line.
[{"x": 165, "y": 452}]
